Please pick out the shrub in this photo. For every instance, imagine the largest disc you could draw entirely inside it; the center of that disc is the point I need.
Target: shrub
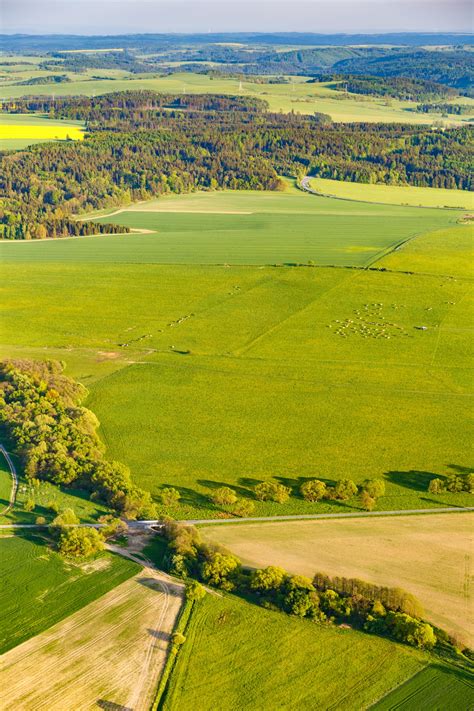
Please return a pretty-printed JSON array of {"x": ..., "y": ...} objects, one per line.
[
  {"x": 224, "y": 496},
  {"x": 314, "y": 490},
  {"x": 80, "y": 542},
  {"x": 268, "y": 579},
  {"x": 63, "y": 520},
  {"x": 243, "y": 508},
  {"x": 170, "y": 496},
  {"x": 368, "y": 502},
  {"x": 29, "y": 504},
  {"x": 219, "y": 569},
  {"x": 271, "y": 491},
  {"x": 40, "y": 521},
  {"x": 194, "y": 590},
  {"x": 345, "y": 489},
  {"x": 374, "y": 487}
]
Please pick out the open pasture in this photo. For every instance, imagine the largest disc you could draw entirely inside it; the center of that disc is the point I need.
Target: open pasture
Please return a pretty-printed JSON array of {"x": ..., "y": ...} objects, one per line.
[
  {"x": 379, "y": 550},
  {"x": 106, "y": 655},
  {"x": 297, "y": 95},
  {"x": 394, "y": 194},
  {"x": 310, "y": 666},
  {"x": 202, "y": 375},
  {"x": 39, "y": 588},
  {"x": 435, "y": 687}
]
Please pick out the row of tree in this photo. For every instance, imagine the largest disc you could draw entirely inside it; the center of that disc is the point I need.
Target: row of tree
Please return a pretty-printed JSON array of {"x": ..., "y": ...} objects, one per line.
[
  {"x": 380, "y": 610},
  {"x": 453, "y": 483},
  {"x": 56, "y": 439}
]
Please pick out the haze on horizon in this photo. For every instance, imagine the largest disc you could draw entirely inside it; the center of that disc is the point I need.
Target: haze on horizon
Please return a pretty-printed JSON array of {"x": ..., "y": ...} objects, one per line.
[{"x": 110, "y": 17}]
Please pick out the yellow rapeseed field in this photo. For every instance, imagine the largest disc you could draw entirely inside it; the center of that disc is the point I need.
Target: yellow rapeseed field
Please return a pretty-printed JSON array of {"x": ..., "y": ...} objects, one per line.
[{"x": 42, "y": 133}]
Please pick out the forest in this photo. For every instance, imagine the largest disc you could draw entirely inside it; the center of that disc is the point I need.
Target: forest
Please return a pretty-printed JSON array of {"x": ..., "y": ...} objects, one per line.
[
  {"x": 137, "y": 148},
  {"x": 55, "y": 437},
  {"x": 394, "y": 87}
]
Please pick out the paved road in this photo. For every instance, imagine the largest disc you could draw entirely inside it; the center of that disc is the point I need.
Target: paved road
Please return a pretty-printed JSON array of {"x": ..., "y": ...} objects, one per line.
[
  {"x": 137, "y": 525},
  {"x": 308, "y": 517}
]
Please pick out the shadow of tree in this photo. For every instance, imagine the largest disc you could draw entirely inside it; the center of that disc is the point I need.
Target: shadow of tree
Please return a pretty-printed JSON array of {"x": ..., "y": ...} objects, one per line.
[
  {"x": 210, "y": 484},
  {"x": 159, "y": 634},
  {"x": 152, "y": 583},
  {"x": 415, "y": 479},
  {"x": 110, "y": 706},
  {"x": 190, "y": 497}
]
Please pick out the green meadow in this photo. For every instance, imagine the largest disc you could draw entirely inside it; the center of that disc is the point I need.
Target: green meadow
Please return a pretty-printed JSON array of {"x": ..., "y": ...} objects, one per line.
[
  {"x": 297, "y": 95},
  {"x": 258, "y": 659},
  {"x": 39, "y": 588},
  {"x": 5, "y": 483},
  {"x": 207, "y": 365},
  {"x": 394, "y": 194},
  {"x": 434, "y": 687}
]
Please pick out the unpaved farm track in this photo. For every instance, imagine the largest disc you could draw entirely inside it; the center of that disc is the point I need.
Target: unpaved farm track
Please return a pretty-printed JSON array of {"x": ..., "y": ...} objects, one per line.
[{"x": 110, "y": 652}]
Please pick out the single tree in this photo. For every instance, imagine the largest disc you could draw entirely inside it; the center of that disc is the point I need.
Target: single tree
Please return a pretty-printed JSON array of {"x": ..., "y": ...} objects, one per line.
[
  {"x": 314, "y": 490},
  {"x": 194, "y": 590},
  {"x": 170, "y": 496},
  {"x": 367, "y": 501},
  {"x": 224, "y": 496},
  {"x": 345, "y": 489}
]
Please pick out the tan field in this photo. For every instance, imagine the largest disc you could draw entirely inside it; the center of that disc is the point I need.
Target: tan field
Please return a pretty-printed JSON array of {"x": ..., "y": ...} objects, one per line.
[
  {"x": 107, "y": 655},
  {"x": 428, "y": 555}
]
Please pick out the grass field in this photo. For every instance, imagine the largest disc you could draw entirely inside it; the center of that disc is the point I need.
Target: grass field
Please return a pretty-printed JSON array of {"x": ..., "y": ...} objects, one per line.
[
  {"x": 204, "y": 374},
  {"x": 394, "y": 194},
  {"x": 436, "y": 688},
  {"x": 296, "y": 96},
  {"x": 107, "y": 655},
  {"x": 243, "y": 228},
  {"x": 256, "y": 659},
  {"x": 5, "y": 483},
  {"x": 380, "y": 550},
  {"x": 39, "y": 588},
  {"x": 21, "y": 130}
]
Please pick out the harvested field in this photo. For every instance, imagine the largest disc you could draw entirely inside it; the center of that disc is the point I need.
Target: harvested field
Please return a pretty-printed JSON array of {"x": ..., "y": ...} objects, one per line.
[
  {"x": 380, "y": 550},
  {"x": 107, "y": 655}
]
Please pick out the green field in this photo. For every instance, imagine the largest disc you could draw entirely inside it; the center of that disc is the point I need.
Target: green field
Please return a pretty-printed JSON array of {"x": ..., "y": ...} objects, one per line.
[
  {"x": 295, "y": 96},
  {"x": 5, "y": 483},
  {"x": 39, "y": 588},
  {"x": 436, "y": 688},
  {"x": 243, "y": 228},
  {"x": 394, "y": 194},
  {"x": 256, "y": 659},
  {"x": 207, "y": 374}
]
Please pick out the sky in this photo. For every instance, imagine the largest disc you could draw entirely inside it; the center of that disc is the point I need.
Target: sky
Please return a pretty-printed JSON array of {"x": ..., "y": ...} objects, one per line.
[{"x": 130, "y": 16}]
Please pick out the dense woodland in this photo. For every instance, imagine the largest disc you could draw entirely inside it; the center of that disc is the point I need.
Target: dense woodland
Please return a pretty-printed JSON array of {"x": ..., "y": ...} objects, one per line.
[
  {"x": 55, "y": 437},
  {"x": 141, "y": 144},
  {"x": 394, "y": 87}
]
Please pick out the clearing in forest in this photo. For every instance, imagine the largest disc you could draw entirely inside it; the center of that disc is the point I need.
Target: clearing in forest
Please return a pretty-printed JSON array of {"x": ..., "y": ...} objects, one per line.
[
  {"x": 379, "y": 550},
  {"x": 107, "y": 655}
]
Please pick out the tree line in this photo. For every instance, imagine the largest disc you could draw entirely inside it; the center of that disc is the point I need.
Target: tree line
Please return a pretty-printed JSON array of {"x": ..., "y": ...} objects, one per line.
[
  {"x": 137, "y": 148},
  {"x": 390, "y": 612},
  {"x": 55, "y": 437}
]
